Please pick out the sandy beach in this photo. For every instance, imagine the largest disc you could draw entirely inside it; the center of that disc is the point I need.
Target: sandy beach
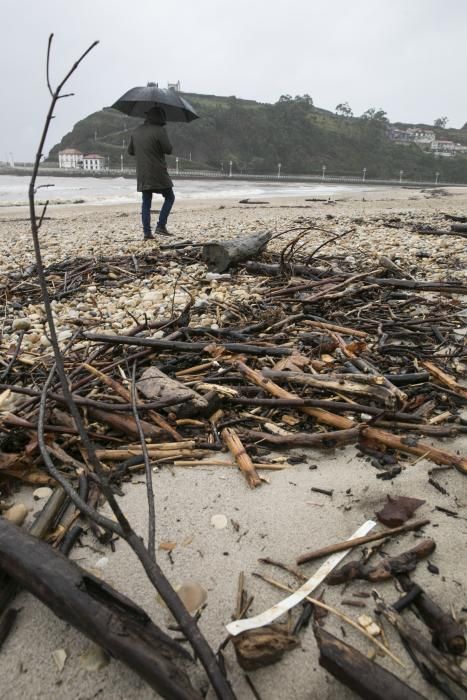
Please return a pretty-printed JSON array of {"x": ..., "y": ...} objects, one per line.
[{"x": 281, "y": 519}]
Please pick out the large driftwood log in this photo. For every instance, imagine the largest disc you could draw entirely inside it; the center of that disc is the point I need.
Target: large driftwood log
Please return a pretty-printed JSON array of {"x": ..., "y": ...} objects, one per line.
[
  {"x": 154, "y": 384},
  {"x": 110, "y": 619},
  {"x": 222, "y": 254},
  {"x": 369, "y": 680}
]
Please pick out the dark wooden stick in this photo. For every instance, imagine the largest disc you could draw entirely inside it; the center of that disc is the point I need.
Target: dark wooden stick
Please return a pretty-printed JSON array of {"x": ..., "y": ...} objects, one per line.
[
  {"x": 447, "y": 633},
  {"x": 369, "y": 680},
  {"x": 122, "y": 526},
  {"x": 350, "y": 544},
  {"x": 413, "y": 637},
  {"x": 182, "y": 346},
  {"x": 384, "y": 569}
]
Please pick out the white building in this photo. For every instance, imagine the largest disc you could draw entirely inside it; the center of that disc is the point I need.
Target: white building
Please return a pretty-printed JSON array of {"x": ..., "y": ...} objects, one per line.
[
  {"x": 176, "y": 87},
  {"x": 70, "y": 158},
  {"x": 423, "y": 135},
  {"x": 93, "y": 161},
  {"x": 443, "y": 146}
]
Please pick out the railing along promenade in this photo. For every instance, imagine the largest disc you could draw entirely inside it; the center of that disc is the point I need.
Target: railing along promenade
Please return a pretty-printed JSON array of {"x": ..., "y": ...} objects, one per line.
[{"x": 219, "y": 175}]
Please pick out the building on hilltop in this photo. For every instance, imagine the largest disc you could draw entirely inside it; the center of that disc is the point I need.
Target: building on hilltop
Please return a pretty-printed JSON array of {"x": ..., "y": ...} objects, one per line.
[
  {"x": 70, "y": 158},
  {"x": 423, "y": 136},
  {"x": 93, "y": 161},
  {"x": 448, "y": 148},
  {"x": 412, "y": 135},
  {"x": 176, "y": 87},
  {"x": 399, "y": 135}
]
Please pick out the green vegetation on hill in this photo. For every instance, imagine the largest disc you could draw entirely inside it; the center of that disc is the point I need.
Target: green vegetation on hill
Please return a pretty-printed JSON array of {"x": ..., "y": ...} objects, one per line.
[{"x": 257, "y": 136}]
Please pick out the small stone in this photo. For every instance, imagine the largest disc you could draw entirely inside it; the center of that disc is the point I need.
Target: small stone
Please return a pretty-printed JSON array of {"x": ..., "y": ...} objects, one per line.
[
  {"x": 219, "y": 521},
  {"x": 365, "y": 621},
  {"x": 94, "y": 658},
  {"x": 373, "y": 629},
  {"x": 59, "y": 656},
  {"x": 42, "y": 492},
  {"x": 193, "y": 595},
  {"x": 21, "y": 324}
]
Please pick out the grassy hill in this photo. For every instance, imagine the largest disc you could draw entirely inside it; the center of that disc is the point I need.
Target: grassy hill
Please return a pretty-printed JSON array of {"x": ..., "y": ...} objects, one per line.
[{"x": 258, "y": 136}]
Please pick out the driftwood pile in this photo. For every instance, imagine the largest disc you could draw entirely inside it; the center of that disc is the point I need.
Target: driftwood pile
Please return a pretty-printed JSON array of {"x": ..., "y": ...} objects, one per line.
[{"x": 322, "y": 356}]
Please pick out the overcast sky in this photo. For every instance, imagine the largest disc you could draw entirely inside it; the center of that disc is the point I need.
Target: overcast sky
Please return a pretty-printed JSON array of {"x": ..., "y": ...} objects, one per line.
[{"x": 406, "y": 56}]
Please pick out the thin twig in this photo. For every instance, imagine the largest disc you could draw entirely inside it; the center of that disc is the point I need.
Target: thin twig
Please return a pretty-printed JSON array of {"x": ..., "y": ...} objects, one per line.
[
  {"x": 330, "y": 240},
  {"x": 156, "y": 576},
  {"x": 148, "y": 470}
]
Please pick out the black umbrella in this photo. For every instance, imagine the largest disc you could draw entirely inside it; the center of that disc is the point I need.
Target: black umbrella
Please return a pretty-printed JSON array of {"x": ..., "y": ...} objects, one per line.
[{"x": 139, "y": 100}]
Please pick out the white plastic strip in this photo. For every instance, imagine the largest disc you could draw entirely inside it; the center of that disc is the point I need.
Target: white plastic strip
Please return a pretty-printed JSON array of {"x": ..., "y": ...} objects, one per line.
[{"x": 268, "y": 616}]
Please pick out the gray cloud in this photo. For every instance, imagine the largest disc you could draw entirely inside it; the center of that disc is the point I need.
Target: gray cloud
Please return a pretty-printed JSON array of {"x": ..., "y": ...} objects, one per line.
[{"x": 406, "y": 56}]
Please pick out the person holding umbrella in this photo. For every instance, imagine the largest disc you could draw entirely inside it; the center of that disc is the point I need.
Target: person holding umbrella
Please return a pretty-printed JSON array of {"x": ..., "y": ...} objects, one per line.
[{"x": 150, "y": 144}]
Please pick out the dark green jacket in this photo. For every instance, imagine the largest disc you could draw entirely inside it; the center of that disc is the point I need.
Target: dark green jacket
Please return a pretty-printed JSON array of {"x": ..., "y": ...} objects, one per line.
[{"x": 149, "y": 143}]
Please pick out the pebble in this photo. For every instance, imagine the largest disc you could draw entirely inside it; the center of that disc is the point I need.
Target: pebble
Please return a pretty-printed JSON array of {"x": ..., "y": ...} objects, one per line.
[
  {"x": 193, "y": 595},
  {"x": 16, "y": 514},
  {"x": 59, "y": 656},
  {"x": 21, "y": 324},
  {"x": 219, "y": 521},
  {"x": 94, "y": 658},
  {"x": 42, "y": 492},
  {"x": 102, "y": 563}
]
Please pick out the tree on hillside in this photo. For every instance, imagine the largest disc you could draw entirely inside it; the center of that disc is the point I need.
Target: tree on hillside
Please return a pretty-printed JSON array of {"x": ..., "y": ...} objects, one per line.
[
  {"x": 343, "y": 110},
  {"x": 441, "y": 122},
  {"x": 377, "y": 115}
]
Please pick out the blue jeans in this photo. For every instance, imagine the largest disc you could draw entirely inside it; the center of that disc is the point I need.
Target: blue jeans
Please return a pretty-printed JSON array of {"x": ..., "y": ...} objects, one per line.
[{"x": 169, "y": 199}]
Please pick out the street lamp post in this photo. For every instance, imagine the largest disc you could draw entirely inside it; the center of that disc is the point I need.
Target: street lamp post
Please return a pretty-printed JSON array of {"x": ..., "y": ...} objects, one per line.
[
  {"x": 121, "y": 162},
  {"x": 279, "y": 166},
  {"x": 324, "y": 172},
  {"x": 364, "y": 174},
  {"x": 176, "y": 165},
  {"x": 437, "y": 178},
  {"x": 401, "y": 172},
  {"x": 230, "y": 168}
]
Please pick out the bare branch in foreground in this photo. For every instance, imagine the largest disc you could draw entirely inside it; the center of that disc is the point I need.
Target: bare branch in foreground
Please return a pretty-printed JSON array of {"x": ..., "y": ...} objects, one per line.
[{"x": 187, "y": 624}]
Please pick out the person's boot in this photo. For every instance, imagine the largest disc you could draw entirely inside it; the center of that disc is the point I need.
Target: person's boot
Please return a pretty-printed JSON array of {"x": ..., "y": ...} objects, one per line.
[
  {"x": 149, "y": 236},
  {"x": 162, "y": 230}
]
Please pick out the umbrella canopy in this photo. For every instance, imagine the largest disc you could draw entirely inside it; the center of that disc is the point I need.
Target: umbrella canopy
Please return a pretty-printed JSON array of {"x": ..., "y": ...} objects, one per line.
[{"x": 139, "y": 100}]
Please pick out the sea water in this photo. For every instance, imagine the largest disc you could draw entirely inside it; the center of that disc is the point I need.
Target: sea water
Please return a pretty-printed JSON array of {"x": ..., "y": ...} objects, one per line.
[{"x": 119, "y": 190}]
